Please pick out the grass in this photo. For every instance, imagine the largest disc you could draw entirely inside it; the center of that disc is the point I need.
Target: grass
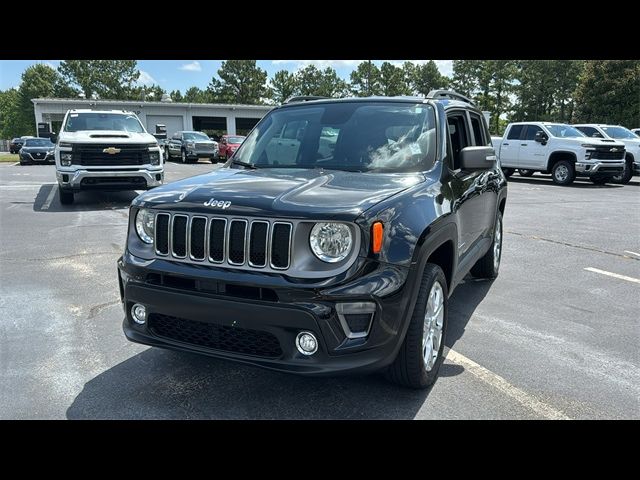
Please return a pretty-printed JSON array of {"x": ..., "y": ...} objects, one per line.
[{"x": 11, "y": 157}]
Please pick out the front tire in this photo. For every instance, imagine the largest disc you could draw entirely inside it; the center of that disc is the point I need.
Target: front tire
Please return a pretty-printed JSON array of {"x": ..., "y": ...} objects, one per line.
[
  {"x": 489, "y": 265},
  {"x": 183, "y": 156},
  {"x": 420, "y": 355},
  {"x": 563, "y": 173},
  {"x": 66, "y": 198},
  {"x": 167, "y": 154},
  {"x": 524, "y": 172}
]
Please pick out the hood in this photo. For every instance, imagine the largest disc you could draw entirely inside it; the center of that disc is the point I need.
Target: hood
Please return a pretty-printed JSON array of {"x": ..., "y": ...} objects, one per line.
[
  {"x": 604, "y": 142},
  {"x": 106, "y": 136},
  {"x": 39, "y": 149},
  {"x": 292, "y": 193}
]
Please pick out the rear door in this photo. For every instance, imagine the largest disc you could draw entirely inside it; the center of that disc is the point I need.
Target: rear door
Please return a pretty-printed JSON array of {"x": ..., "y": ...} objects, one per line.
[
  {"x": 490, "y": 179},
  {"x": 510, "y": 147},
  {"x": 532, "y": 154}
]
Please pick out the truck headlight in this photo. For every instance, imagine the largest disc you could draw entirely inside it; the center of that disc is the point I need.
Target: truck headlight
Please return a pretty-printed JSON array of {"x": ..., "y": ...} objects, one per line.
[
  {"x": 154, "y": 158},
  {"x": 145, "y": 223},
  {"x": 191, "y": 145},
  {"x": 331, "y": 242},
  {"x": 65, "y": 159},
  {"x": 587, "y": 155}
]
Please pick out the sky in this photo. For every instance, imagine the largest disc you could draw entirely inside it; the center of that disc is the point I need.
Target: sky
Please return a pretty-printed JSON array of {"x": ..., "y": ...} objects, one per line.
[{"x": 182, "y": 74}]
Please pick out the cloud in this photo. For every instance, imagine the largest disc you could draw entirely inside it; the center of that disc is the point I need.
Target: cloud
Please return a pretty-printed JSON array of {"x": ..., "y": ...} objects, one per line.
[
  {"x": 191, "y": 67},
  {"x": 145, "y": 79}
]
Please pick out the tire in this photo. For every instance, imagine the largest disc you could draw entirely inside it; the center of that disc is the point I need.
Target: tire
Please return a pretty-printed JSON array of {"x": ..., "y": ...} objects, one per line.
[
  {"x": 183, "y": 156},
  {"x": 409, "y": 369},
  {"x": 563, "y": 173},
  {"x": 524, "y": 172},
  {"x": 489, "y": 265},
  {"x": 167, "y": 154},
  {"x": 66, "y": 197},
  {"x": 508, "y": 171},
  {"x": 625, "y": 177},
  {"x": 601, "y": 180}
]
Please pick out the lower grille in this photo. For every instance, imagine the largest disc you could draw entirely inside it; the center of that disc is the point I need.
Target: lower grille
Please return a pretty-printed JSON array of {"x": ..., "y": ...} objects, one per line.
[{"x": 216, "y": 337}]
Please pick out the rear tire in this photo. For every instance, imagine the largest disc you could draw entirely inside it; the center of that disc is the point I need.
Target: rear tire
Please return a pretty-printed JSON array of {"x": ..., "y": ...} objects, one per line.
[
  {"x": 418, "y": 362},
  {"x": 183, "y": 156},
  {"x": 489, "y": 266},
  {"x": 563, "y": 173},
  {"x": 167, "y": 154},
  {"x": 66, "y": 198},
  {"x": 508, "y": 171},
  {"x": 524, "y": 172},
  {"x": 624, "y": 177}
]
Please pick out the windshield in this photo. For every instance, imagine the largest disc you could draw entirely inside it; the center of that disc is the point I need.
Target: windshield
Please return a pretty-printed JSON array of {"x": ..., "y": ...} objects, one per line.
[
  {"x": 235, "y": 140},
  {"x": 355, "y": 136},
  {"x": 122, "y": 122},
  {"x": 38, "y": 142},
  {"x": 619, "y": 132},
  {"x": 564, "y": 131},
  {"x": 195, "y": 136}
]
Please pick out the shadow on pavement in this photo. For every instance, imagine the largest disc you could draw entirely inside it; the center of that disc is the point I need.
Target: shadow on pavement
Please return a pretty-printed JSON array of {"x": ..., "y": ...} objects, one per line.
[
  {"x": 46, "y": 201},
  {"x": 546, "y": 180},
  {"x": 464, "y": 301}
]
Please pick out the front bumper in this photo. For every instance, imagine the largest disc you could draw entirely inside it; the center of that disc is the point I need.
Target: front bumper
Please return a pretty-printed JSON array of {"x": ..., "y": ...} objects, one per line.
[
  {"x": 229, "y": 306},
  {"x": 599, "y": 168},
  {"x": 27, "y": 157},
  {"x": 201, "y": 153},
  {"x": 83, "y": 179}
]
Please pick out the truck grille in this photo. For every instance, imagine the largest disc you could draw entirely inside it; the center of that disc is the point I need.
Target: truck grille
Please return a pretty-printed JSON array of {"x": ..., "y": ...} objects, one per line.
[
  {"x": 605, "y": 153},
  {"x": 232, "y": 242},
  {"x": 93, "y": 155},
  {"x": 217, "y": 337},
  {"x": 206, "y": 147}
]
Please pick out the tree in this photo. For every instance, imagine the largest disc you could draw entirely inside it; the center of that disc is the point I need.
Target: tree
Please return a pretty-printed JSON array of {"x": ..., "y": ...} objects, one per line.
[
  {"x": 195, "y": 95},
  {"x": 325, "y": 83},
  {"x": 393, "y": 80},
  {"x": 176, "y": 96},
  {"x": 10, "y": 124},
  {"x": 241, "y": 81},
  {"x": 109, "y": 79},
  {"x": 498, "y": 79},
  {"x": 283, "y": 85},
  {"x": 609, "y": 92},
  {"x": 465, "y": 76},
  {"x": 427, "y": 77},
  {"x": 365, "y": 80},
  {"x": 152, "y": 93},
  {"x": 38, "y": 81}
]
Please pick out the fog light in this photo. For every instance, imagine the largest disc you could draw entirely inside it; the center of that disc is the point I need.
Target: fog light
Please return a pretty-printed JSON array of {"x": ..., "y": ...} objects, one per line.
[
  {"x": 306, "y": 343},
  {"x": 139, "y": 314}
]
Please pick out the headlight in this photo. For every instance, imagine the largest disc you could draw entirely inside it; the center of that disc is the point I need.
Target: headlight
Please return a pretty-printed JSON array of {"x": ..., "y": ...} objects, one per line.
[
  {"x": 145, "y": 225},
  {"x": 331, "y": 242},
  {"x": 50, "y": 152},
  {"x": 65, "y": 159},
  {"x": 191, "y": 145},
  {"x": 154, "y": 158}
]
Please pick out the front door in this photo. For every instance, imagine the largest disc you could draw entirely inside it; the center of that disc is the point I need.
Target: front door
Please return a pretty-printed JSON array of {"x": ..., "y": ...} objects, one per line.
[{"x": 532, "y": 154}]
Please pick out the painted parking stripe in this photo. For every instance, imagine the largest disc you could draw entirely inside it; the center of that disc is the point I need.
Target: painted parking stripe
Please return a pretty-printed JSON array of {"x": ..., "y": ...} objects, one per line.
[
  {"x": 47, "y": 202},
  {"x": 632, "y": 253},
  {"x": 527, "y": 400},
  {"x": 14, "y": 164},
  {"x": 614, "y": 275}
]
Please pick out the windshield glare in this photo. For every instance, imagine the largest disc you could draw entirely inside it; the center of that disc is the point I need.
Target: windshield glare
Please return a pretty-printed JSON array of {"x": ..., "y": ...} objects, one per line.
[
  {"x": 121, "y": 122},
  {"x": 195, "y": 136},
  {"x": 619, "y": 132},
  {"x": 564, "y": 131},
  {"x": 355, "y": 136},
  {"x": 38, "y": 142}
]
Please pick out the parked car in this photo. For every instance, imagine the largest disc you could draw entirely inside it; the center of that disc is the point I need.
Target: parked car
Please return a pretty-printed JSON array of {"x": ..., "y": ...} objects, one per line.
[
  {"x": 626, "y": 136},
  {"x": 342, "y": 259},
  {"x": 37, "y": 150},
  {"x": 228, "y": 145},
  {"x": 16, "y": 144},
  {"x": 190, "y": 146},
  {"x": 105, "y": 150},
  {"x": 558, "y": 149}
]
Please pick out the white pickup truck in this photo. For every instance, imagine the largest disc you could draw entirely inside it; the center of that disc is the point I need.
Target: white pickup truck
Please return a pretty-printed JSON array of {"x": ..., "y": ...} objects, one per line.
[
  {"x": 558, "y": 149},
  {"x": 631, "y": 142},
  {"x": 105, "y": 150}
]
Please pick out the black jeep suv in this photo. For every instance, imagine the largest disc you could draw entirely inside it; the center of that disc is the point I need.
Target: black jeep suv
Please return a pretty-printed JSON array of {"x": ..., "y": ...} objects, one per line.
[{"x": 330, "y": 242}]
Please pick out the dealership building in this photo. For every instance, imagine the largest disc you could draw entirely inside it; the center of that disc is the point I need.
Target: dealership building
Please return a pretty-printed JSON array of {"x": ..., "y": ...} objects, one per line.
[{"x": 211, "y": 117}]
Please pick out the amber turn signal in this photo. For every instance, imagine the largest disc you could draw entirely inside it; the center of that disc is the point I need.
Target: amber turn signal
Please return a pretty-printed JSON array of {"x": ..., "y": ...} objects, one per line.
[{"x": 376, "y": 237}]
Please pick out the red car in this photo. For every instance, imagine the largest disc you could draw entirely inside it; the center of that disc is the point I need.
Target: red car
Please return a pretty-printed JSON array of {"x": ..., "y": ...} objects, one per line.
[{"x": 229, "y": 144}]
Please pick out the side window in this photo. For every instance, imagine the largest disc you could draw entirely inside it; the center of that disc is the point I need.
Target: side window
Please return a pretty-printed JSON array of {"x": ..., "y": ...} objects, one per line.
[
  {"x": 530, "y": 134},
  {"x": 459, "y": 135},
  {"x": 478, "y": 130},
  {"x": 514, "y": 132},
  {"x": 327, "y": 142}
]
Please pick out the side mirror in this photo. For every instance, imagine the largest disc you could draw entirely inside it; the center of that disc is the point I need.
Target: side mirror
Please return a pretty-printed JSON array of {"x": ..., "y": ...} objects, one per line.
[
  {"x": 53, "y": 137},
  {"x": 541, "y": 137},
  {"x": 477, "y": 158}
]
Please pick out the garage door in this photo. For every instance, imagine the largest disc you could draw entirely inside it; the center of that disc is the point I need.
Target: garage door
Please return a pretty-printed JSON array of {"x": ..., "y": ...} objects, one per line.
[{"x": 173, "y": 123}]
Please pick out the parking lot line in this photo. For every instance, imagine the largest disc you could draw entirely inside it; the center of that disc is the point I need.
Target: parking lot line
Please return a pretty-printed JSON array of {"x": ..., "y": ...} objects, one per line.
[
  {"x": 47, "y": 202},
  {"x": 544, "y": 410},
  {"x": 614, "y": 275},
  {"x": 632, "y": 253}
]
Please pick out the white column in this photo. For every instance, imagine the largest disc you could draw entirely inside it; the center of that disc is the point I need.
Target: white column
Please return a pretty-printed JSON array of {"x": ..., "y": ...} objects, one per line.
[{"x": 231, "y": 124}]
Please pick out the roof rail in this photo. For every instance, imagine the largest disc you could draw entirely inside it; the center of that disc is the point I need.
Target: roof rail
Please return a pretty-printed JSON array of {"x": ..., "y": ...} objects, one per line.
[
  {"x": 449, "y": 94},
  {"x": 303, "y": 98}
]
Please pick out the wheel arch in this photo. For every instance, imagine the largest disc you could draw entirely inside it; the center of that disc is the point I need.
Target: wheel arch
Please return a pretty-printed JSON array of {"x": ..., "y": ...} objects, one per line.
[{"x": 559, "y": 155}]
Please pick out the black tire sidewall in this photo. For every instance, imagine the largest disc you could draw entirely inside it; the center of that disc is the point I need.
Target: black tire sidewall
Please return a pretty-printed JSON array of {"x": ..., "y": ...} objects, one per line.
[{"x": 570, "y": 177}]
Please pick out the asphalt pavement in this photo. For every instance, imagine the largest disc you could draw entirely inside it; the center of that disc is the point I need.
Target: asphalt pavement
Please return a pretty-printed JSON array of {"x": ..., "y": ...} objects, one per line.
[{"x": 557, "y": 335}]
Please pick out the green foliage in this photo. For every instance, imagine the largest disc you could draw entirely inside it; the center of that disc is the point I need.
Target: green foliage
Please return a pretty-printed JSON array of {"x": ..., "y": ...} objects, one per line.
[
  {"x": 9, "y": 112},
  {"x": 151, "y": 93},
  {"x": 241, "y": 81},
  {"x": 108, "y": 79},
  {"x": 38, "y": 81},
  {"x": 366, "y": 80},
  {"x": 609, "y": 92},
  {"x": 176, "y": 96},
  {"x": 393, "y": 80},
  {"x": 283, "y": 85},
  {"x": 426, "y": 77},
  {"x": 195, "y": 95},
  {"x": 325, "y": 83}
]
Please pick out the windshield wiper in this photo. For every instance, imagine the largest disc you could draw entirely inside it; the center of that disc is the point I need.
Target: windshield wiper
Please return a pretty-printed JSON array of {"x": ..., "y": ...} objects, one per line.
[{"x": 250, "y": 166}]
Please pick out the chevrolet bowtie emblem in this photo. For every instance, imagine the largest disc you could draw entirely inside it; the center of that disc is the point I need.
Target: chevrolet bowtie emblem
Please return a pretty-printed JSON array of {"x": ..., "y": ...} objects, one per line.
[
  {"x": 111, "y": 150},
  {"x": 614, "y": 149}
]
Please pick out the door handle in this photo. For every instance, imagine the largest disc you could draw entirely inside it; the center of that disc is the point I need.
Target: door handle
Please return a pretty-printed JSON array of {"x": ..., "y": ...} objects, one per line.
[
  {"x": 505, "y": 144},
  {"x": 524, "y": 144}
]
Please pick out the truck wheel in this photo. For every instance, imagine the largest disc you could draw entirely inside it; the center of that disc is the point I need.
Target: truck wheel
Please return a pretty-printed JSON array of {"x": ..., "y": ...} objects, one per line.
[
  {"x": 508, "y": 171},
  {"x": 183, "y": 156},
  {"x": 624, "y": 177},
  {"x": 563, "y": 173},
  {"x": 420, "y": 355},
  {"x": 489, "y": 265},
  {"x": 66, "y": 198},
  {"x": 167, "y": 154},
  {"x": 524, "y": 172}
]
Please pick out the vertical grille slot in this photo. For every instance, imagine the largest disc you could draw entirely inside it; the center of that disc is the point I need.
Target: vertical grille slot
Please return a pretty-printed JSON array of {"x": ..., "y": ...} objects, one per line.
[
  {"x": 162, "y": 234},
  {"x": 179, "y": 236},
  {"x": 237, "y": 234},
  {"x": 258, "y": 243},
  {"x": 197, "y": 238},
  {"x": 216, "y": 239},
  {"x": 280, "y": 245}
]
